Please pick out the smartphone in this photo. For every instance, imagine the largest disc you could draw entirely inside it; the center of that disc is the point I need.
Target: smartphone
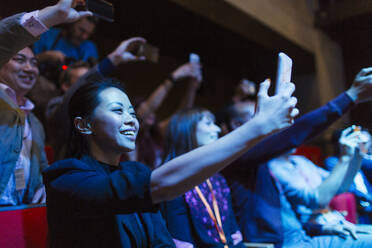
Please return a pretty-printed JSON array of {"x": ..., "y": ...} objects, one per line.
[
  {"x": 284, "y": 71},
  {"x": 102, "y": 9},
  {"x": 150, "y": 52},
  {"x": 194, "y": 58}
]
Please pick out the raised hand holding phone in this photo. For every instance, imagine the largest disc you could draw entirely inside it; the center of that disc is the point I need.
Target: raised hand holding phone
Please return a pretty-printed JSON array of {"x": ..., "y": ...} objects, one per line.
[
  {"x": 194, "y": 58},
  {"x": 284, "y": 71}
]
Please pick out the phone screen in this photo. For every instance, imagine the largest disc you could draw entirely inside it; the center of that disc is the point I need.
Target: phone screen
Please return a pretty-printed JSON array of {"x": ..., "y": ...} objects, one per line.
[
  {"x": 284, "y": 72},
  {"x": 150, "y": 52},
  {"x": 102, "y": 9},
  {"x": 194, "y": 58}
]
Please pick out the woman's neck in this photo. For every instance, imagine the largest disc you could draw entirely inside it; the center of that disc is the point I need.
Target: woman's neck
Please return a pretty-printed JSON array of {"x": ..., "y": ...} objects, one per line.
[{"x": 111, "y": 158}]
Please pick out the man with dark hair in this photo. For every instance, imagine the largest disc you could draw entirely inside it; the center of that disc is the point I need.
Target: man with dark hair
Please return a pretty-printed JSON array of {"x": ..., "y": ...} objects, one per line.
[
  {"x": 22, "y": 155},
  {"x": 67, "y": 78},
  {"x": 70, "y": 42}
]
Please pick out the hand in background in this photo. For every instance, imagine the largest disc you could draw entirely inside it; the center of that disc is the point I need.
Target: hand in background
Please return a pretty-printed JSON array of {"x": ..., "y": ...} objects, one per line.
[
  {"x": 126, "y": 51},
  {"x": 361, "y": 89},
  {"x": 182, "y": 244},
  {"x": 279, "y": 110},
  {"x": 189, "y": 70}
]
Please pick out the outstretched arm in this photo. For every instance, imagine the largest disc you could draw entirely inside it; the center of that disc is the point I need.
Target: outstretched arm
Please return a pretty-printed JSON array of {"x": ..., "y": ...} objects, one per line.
[
  {"x": 310, "y": 125},
  {"x": 180, "y": 174},
  {"x": 154, "y": 101},
  {"x": 187, "y": 102}
]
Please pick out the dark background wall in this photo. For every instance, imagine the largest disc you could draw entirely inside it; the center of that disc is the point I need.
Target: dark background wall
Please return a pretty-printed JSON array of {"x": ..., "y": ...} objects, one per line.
[{"x": 226, "y": 56}]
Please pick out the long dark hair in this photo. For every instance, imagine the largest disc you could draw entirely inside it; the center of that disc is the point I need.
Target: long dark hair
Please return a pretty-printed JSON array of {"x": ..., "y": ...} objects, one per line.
[
  {"x": 181, "y": 132},
  {"x": 82, "y": 104}
]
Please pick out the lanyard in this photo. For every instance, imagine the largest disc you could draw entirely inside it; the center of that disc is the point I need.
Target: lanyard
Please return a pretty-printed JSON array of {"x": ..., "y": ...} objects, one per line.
[{"x": 214, "y": 216}]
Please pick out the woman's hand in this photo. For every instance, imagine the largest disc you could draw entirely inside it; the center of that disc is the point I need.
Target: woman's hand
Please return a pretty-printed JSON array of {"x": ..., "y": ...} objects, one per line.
[
  {"x": 237, "y": 237},
  {"x": 182, "y": 244},
  {"x": 189, "y": 70},
  {"x": 125, "y": 52},
  {"x": 278, "y": 111}
]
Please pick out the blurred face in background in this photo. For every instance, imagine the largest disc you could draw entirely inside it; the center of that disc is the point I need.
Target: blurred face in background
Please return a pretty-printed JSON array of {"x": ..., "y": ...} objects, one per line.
[
  {"x": 244, "y": 112},
  {"x": 21, "y": 72},
  {"x": 74, "y": 76},
  {"x": 80, "y": 31},
  {"x": 206, "y": 130}
]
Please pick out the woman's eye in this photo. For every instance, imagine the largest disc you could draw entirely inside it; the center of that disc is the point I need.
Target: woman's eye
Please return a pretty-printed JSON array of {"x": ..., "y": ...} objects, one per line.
[
  {"x": 118, "y": 110},
  {"x": 134, "y": 115}
]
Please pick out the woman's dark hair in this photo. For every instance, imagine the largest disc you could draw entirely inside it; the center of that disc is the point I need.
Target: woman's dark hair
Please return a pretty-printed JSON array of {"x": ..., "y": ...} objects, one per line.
[
  {"x": 181, "y": 132},
  {"x": 82, "y": 104}
]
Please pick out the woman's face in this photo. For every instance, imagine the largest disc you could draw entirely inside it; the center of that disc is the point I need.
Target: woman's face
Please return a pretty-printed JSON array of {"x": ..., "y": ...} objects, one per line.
[
  {"x": 206, "y": 131},
  {"x": 114, "y": 124}
]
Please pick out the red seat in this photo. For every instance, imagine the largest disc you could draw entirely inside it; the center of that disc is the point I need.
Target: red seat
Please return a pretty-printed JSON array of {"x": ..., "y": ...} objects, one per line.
[
  {"x": 313, "y": 153},
  {"x": 23, "y": 227},
  {"x": 49, "y": 153},
  {"x": 345, "y": 202}
]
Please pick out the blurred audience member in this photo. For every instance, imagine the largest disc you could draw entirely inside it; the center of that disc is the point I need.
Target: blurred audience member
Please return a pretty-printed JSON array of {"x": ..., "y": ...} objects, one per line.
[
  {"x": 68, "y": 43},
  {"x": 188, "y": 217},
  {"x": 22, "y": 133},
  {"x": 361, "y": 187},
  {"x": 150, "y": 138},
  {"x": 22, "y": 155},
  {"x": 241, "y": 108},
  {"x": 67, "y": 78},
  {"x": 307, "y": 189},
  {"x": 246, "y": 90},
  {"x": 256, "y": 198}
]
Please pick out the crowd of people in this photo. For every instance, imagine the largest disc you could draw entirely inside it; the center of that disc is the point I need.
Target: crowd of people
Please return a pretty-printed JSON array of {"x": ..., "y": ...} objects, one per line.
[{"x": 123, "y": 178}]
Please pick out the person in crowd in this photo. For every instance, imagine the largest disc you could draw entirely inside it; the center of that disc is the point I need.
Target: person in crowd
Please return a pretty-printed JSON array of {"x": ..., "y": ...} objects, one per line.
[
  {"x": 68, "y": 43},
  {"x": 22, "y": 133},
  {"x": 75, "y": 76},
  {"x": 244, "y": 99},
  {"x": 308, "y": 189},
  {"x": 58, "y": 48},
  {"x": 151, "y": 135},
  {"x": 256, "y": 198},
  {"x": 361, "y": 187},
  {"x": 94, "y": 200},
  {"x": 67, "y": 78},
  {"x": 246, "y": 90},
  {"x": 22, "y": 154},
  {"x": 203, "y": 216}
]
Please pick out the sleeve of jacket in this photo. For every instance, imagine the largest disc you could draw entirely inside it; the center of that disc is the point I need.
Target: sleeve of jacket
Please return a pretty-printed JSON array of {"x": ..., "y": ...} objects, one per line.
[
  {"x": 162, "y": 237},
  {"x": 304, "y": 129},
  {"x": 178, "y": 221},
  {"x": 13, "y": 37}
]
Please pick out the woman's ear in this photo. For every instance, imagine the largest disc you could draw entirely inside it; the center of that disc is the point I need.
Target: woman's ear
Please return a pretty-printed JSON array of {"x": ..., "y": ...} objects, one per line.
[{"x": 82, "y": 125}]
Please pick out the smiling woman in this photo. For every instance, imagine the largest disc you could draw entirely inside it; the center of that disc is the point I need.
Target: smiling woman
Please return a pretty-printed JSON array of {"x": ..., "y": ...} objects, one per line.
[
  {"x": 95, "y": 201},
  {"x": 203, "y": 216}
]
